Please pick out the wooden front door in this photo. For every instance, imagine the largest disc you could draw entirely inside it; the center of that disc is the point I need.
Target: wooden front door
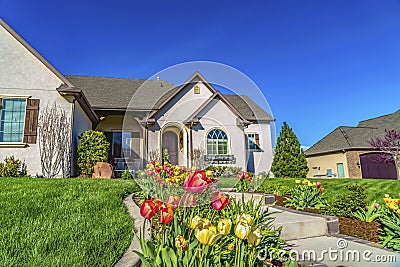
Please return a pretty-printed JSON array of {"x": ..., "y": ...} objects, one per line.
[{"x": 170, "y": 142}]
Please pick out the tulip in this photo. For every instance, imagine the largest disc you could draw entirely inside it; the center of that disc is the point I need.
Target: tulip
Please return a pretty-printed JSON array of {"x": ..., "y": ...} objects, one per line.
[
  {"x": 194, "y": 222},
  {"x": 180, "y": 242},
  {"x": 224, "y": 226},
  {"x": 246, "y": 218},
  {"x": 321, "y": 190},
  {"x": 197, "y": 182},
  {"x": 149, "y": 208},
  {"x": 318, "y": 184},
  {"x": 376, "y": 205},
  {"x": 297, "y": 181},
  {"x": 255, "y": 236},
  {"x": 207, "y": 236},
  {"x": 219, "y": 200},
  {"x": 242, "y": 230},
  {"x": 166, "y": 215},
  {"x": 209, "y": 173},
  {"x": 231, "y": 246}
]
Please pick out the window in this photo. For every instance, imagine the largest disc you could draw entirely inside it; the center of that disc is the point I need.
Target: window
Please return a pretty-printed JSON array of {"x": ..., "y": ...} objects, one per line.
[
  {"x": 12, "y": 120},
  {"x": 126, "y": 144},
  {"x": 253, "y": 142},
  {"x": 217, "y": 142}
]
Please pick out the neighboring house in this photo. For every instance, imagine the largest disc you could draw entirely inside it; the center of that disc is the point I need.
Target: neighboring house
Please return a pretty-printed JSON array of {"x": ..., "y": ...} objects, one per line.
[
  {"x": 346, "y": 152},
  {"x": 196, "y": 124}
]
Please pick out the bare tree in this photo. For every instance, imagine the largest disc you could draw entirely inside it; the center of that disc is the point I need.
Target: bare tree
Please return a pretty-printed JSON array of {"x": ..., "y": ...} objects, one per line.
[
  {"x": 389, "y": 145},
  {"x": 54, "y": 141}
]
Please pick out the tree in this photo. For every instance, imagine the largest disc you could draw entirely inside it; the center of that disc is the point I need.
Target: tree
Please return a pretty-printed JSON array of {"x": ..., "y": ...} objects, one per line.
[
  {"x": 92, "y": 148},
  {"x": 54, "y": 141},
  {"x": 289, "y": 159},
  {"x": 389, "y": 145}
]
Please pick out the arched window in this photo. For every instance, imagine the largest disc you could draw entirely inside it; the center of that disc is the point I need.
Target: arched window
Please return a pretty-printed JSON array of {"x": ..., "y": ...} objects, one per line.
[{"x": 217, "y": 142}]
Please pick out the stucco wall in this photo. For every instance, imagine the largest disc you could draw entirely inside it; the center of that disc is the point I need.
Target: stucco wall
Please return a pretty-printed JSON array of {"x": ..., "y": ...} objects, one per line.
[
  {"x": 262, "y": 159},
  {"x": 318, "y": 165},
  {"x": 21, "y": 74}
]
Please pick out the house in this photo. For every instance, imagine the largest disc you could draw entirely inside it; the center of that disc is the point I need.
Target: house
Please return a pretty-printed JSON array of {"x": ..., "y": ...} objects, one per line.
[
  {"x": 346, "y": 151},
  {"x": 194, "y": 122}
]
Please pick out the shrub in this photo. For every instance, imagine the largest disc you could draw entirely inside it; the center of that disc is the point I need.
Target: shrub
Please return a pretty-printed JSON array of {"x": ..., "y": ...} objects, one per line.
[
  {"x": 92, "y": 148},
  {"x": 12, "y": 167},
  {"x": 217, "y": 171},
  {"x": 306, "y": 195},
  {"x": 126, "y": 175},
  {"x": 346, "y": 206}
]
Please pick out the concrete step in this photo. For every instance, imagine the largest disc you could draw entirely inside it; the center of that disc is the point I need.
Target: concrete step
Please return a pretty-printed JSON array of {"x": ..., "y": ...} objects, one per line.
[
  {"x": 343, "y": 251},
  {"x": 295, "y": 224}
]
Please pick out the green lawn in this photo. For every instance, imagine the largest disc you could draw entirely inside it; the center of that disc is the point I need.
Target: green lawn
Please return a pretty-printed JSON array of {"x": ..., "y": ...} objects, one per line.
[
  {"x": 227, "y": 182},
  {"x": 63, "y": 222},
  {"x": 376, "y": 189}
]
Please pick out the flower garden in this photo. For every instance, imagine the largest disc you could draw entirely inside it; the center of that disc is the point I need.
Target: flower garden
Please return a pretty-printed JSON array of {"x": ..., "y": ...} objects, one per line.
[{"x": 193, "y": 223}]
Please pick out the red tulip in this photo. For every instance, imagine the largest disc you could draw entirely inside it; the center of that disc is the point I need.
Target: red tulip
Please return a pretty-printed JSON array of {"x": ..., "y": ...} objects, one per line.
[
  {"x": 166, "y": 214},
  {"x": 321, "y": 190},
  {"x": 197, "y": 182},
  {"x": 219, "y": 200},
  {"x": 157, "y": 169},
  {"x": 149, "y": 208},
  {"x": 318, "y": 184}
]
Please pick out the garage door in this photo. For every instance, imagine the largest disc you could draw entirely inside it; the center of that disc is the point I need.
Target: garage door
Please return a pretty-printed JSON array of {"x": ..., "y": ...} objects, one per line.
[{"x": 373, "y": 167}]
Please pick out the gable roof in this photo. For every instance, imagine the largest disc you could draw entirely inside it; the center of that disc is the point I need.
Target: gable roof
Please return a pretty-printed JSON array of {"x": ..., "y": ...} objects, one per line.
[
  {"x": 385, "y": 122},
  {"x": 248, "y": 108},
  {"x": 344, "y": 138},
  {"x": 66, "y": 84}
]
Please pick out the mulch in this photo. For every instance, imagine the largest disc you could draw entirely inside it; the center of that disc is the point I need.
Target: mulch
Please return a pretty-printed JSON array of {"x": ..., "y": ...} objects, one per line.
[{"x": 347, "y": 226}]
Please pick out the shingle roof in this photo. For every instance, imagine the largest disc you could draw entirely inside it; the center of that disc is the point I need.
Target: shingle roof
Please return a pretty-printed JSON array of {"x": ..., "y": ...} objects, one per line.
[
  {"x": 119, "y": 93},
  {"x": 345, "y": 138},
  {"x": 248, "y": 108},
  {"x": 386, "y": 122}
]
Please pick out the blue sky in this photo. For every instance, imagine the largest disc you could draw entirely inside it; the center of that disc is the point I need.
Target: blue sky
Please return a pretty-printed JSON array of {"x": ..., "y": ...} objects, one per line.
[{"x": 320, "y": 64}]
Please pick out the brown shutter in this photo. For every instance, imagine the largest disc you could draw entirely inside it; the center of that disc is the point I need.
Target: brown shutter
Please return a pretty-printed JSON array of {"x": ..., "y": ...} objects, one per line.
[
  {"x": 1, "y": 103},
  {"x": 257, "y": 137},
  {"x": 31, "y": 121}
]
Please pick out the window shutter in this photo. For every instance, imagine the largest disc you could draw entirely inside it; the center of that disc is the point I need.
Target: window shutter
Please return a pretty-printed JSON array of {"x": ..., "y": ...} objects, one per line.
[
  {"x": 1, "y": 103},
  {"x": 31, "y": 121},
  {"x": 257, "y": 139}
]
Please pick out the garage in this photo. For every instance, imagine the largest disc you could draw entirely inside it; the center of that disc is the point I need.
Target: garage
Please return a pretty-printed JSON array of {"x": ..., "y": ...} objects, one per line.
[{"x": 372, "y": 166}]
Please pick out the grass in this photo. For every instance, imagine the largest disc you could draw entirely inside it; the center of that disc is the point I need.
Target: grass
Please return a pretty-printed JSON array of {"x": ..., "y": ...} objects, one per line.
[
  {"x": 63, "y": 222},
  {"x": 376, "y": 189},
  {"x": 227, "y": 182}
]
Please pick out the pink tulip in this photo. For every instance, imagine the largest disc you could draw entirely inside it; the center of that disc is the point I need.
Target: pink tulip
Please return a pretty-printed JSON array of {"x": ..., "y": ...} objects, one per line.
[
  {"x": 318, "y": 184},
  {"x": 219, "y": 200},
  {"x": 376, "y": 205},
  {"x": 197, "y": 182}
]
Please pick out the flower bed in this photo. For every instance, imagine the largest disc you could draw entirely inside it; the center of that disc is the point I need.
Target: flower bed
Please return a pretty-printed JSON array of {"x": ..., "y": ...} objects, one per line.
[{"x": 192, "y": 223}]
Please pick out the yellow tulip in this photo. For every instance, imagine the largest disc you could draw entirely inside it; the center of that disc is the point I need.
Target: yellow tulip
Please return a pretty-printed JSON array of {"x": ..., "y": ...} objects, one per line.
[
  {"x": 224, "y": 226},
  {"x": 244, "y": 218},
  {"x": 231, "y": 246},
  {"x": 209, "y": 173},
  {"x": 180, "y": 241},
  {"x": 297, "y": 181},
  {"x": 398, "y": 211},
  {"x": 242, "y": 230},
  {"x": 207, "y": 236},
  {"x": 305, "y": 181},
  {"x": 255, "y": 236},
  {"x": 194, "y": 222}
]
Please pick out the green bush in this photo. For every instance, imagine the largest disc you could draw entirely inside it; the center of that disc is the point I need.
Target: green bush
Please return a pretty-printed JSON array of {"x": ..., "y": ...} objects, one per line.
[
  {"x": 126, "y": 175},
  {"x": 217, "y": 171},
  {"x": 12, "y": 167},
  {"x": 92, "y": 148},
  {"x": 306, "y": 195},
  {"x": 347, "y": 205}
]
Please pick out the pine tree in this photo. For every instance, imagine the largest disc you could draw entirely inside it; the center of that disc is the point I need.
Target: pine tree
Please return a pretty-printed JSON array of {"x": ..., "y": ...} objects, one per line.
[{"x": 289, "y": 159}]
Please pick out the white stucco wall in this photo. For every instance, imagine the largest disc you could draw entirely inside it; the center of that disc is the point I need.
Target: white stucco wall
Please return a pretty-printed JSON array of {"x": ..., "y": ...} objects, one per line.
[
  {"x": 263, "y": 158},
  {"x": 22, "y": 74}
]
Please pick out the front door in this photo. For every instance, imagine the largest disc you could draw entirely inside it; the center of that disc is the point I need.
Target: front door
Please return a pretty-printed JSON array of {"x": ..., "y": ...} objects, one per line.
[
  {"x": 340, "y": 170},
  {"x": 170, "y": 142}
]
